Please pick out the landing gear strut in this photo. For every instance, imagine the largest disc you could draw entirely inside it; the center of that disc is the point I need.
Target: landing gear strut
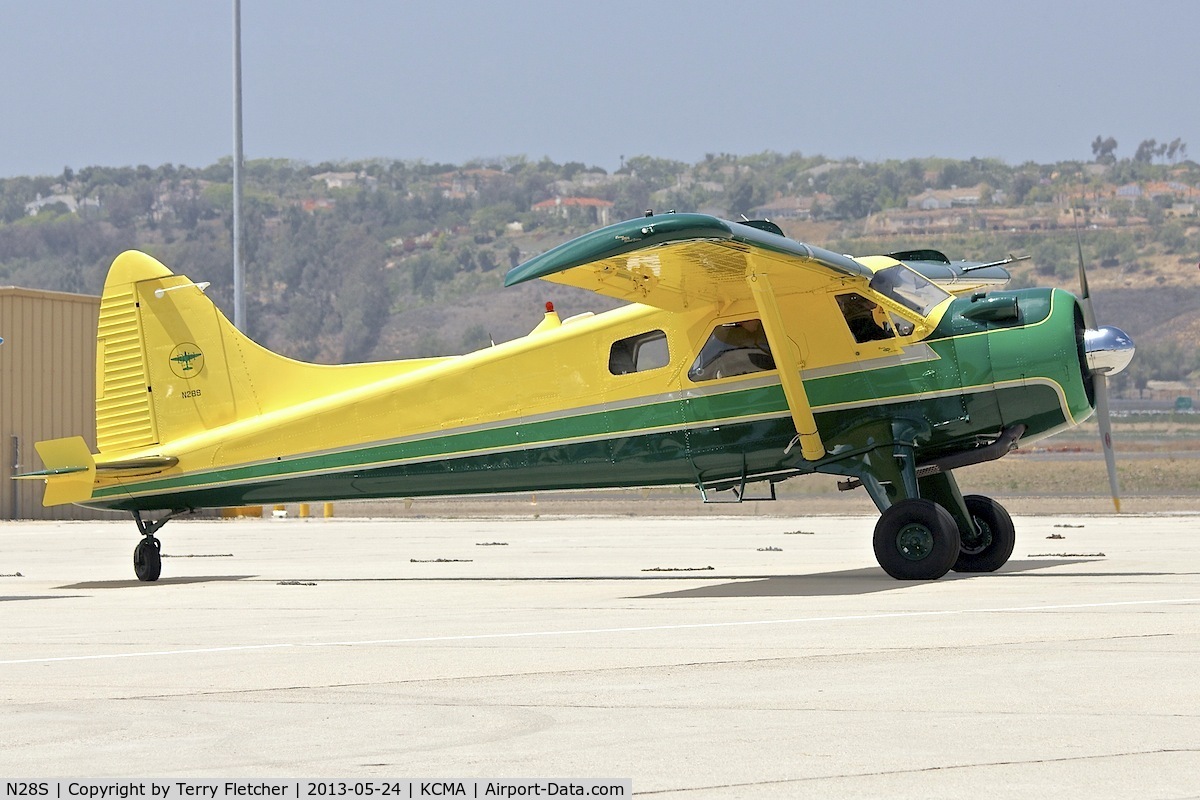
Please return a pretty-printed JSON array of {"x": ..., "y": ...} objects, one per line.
[{"x": 147, "y": 556}]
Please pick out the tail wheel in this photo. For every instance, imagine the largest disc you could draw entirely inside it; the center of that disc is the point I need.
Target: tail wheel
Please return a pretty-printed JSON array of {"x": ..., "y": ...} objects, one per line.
[
  {"x": 916, "y": 540},
  {"x": 988, "y": 547},
  {"x": 147, "y": 560}
]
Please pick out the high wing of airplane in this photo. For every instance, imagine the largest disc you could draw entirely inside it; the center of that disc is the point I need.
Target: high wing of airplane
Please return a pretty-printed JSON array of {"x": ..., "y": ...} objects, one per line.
[{"x": 743, "y": 357}]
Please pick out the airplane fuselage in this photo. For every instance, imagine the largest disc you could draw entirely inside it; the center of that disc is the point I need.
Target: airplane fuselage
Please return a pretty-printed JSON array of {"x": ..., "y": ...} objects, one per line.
[{"x": 548, "y": 411}]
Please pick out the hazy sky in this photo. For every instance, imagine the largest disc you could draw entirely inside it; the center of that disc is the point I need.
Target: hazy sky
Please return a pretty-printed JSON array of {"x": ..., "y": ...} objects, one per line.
[{"x": 126, "y": 82}]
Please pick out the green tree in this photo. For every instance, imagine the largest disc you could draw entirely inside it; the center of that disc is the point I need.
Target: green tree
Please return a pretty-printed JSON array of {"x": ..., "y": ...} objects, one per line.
[
  {"x": 659, "y": 173},
  {"x": 1173, "y": 237},
  {"x": 1022, "y": 184},
  {"x": 1053, "y": 256},
  {"x": 1103, "y": 150},
  {"x": 744, "y": 195},
  {"x": 855, "y": 195},
  {"x": 1120, "y": 209},
  {"x": 486, "y": 259},
  {"x": 1146, "y": 151}
]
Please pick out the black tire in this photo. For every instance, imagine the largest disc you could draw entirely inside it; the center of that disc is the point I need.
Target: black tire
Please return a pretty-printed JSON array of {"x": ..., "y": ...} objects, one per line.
[
  {"x": 147, "y": 561},
  {"x": 990, "y": 548},
  {"x": 916, "y": 540}
]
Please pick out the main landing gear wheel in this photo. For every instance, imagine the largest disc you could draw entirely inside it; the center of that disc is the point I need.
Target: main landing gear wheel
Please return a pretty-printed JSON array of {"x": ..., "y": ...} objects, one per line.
[
  {"x": 989, "y": 548},
  {"x": 916, "y": 540},
  {"x": 147, "y": 559}
]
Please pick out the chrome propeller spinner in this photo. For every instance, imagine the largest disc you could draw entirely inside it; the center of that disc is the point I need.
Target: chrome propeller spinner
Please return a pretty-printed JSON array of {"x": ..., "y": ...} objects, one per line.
[{"x": 1109, "y": 350}]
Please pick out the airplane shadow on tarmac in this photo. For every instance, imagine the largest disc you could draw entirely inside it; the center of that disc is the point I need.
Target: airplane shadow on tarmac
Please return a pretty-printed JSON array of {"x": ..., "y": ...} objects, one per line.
[
  {"x": 161, "y": 582},
  {"x": 850, "y": 582},
  {"x": 867, "y": 580}
]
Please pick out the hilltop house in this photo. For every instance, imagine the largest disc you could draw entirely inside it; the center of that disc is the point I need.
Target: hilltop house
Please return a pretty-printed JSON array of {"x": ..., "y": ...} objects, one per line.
[
  {"x": 955, "y": 197},
  {"x": 68, "y": 200},
  {"x": 793, "y": 207},
  {"x": 463, "y": 183},
  {"x": 585, "y": 209},
  {"x": 344, "y": 180}
]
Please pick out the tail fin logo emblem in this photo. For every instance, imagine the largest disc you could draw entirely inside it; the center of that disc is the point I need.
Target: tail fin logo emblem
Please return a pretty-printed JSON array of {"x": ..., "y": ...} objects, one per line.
[{"x": 187, "y": 360}]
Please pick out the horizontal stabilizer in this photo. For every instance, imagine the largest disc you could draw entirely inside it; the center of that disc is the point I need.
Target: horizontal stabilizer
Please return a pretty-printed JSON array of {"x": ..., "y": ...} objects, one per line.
[{"x": 70, "y": 470}]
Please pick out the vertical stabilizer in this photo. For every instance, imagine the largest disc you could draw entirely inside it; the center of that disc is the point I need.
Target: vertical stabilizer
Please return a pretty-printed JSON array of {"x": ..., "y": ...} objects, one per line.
[
  {"x": 171, "y": 365},
  {"x": 124, "y": 416},
  {"x": 166, "y": 354}
]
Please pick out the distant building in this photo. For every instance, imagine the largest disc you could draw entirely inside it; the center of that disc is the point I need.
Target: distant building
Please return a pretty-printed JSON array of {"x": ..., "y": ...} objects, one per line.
[
  {"x": 315, "y": 204},
  {"x": 463, "y": 183},
  {"x": 829, "y": 166},
  {"x": 792, "y": 207},
  {"x": 1172, "y": 189},
  {"x": 784, "y": 208},
  {"x": 957, "y": 197},
  {"x": 41, "y": 202},
  {"x": 345, "y": 180},
  {"x": 917, "y": 221},
  {"x": 1170, "y": 390},
  {"x": 585, "y": 209},
  {"x": 70, "y": 201},
  {"x": 586, "y": 181}
]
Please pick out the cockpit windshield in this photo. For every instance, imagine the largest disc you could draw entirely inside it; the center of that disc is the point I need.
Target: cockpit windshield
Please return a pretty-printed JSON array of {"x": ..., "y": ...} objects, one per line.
[{"x": 908, "y": 288}]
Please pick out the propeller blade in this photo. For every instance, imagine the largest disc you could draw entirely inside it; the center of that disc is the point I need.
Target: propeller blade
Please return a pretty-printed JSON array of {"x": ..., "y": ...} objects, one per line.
[
  {"x": 1098, "y": 379},
  {"x": 1110, "y": 457},
  {"x": 1089, "y": 313}
]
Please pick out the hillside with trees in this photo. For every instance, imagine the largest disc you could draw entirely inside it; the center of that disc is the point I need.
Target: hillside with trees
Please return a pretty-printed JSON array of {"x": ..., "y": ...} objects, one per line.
[{"x": 385, "y": 259}]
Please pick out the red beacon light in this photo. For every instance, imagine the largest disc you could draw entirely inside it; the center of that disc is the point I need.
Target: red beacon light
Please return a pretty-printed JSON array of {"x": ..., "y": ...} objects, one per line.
[{"x": 549, "y": 321}]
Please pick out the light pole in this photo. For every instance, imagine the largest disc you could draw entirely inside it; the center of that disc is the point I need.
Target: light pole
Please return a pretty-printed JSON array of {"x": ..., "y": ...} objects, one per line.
[{"x": 239, "y": 300}]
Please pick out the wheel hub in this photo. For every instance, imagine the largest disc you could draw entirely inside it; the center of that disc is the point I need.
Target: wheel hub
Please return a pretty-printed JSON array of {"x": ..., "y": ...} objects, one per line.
[
  {"x": 979, "y": 542},
  {"x": 914, "y": 541}
]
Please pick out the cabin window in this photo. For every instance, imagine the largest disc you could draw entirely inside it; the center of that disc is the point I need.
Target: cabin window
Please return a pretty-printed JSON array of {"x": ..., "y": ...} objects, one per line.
[
  {"x": 640, "y": 353},
  {"x": 735, "y": 348}
]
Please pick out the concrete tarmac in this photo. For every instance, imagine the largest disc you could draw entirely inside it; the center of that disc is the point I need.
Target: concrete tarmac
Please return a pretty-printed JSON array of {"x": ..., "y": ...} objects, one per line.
[{"x": 700, "y": 657}]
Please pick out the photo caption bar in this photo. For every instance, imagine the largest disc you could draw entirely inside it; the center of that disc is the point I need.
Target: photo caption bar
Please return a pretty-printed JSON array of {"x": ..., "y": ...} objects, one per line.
[{"x": 212, "y": 789}]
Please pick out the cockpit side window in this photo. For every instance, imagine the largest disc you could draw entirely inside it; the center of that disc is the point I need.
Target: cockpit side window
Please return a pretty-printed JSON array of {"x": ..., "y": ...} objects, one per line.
[
  {"x": 735, "y": 348},
  {"x": 863, "y": 317},
  {"x": 908, "y": 288},
  {"x": 640, "y": 353},
  {"x": 868, "y": 321}
]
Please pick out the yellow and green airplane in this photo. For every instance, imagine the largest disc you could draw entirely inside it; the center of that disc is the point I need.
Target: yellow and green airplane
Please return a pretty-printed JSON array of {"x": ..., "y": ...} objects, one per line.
[{"x": 743, "y": 357}]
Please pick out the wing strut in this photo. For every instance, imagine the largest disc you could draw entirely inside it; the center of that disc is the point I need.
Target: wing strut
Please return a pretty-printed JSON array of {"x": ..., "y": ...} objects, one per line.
[{"x": 788, "y": 365}]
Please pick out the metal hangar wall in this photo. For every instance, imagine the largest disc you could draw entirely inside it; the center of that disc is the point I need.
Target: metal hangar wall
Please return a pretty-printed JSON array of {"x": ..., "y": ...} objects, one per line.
[{"x": 47, "y": 390}]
